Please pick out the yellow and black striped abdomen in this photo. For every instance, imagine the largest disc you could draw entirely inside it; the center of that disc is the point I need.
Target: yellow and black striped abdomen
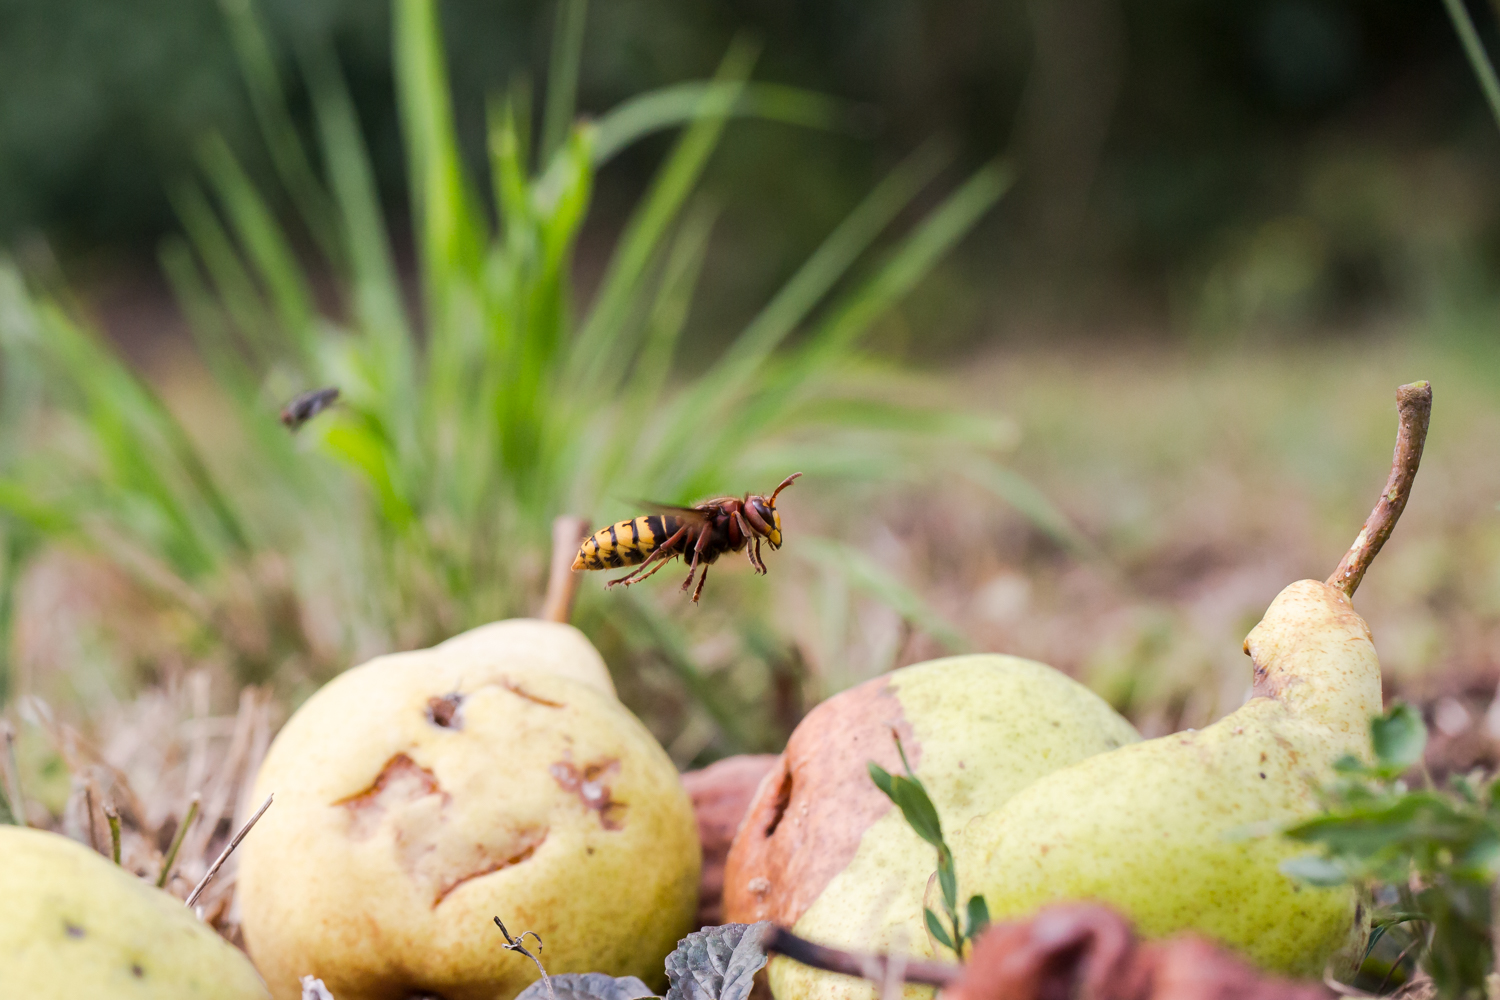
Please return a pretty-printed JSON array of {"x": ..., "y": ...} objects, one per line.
[{"x": 627, "y": 543}]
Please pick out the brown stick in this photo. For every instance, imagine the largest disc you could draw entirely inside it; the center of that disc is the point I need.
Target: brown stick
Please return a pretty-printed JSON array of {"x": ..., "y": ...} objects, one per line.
[
  {"x": 784, "y": 942},
  {"x": 568, "y": 532},
  {"x": 1414, "y": 406}
]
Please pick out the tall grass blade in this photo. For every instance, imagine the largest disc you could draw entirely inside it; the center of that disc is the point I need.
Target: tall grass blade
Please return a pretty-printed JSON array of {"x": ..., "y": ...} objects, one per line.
[
  {"x": 601, "y": 346},
  {"x": 1479, "y": 60},
  {"x": 679, "y": 104},
  {"x": 865, "y": 574},
  {"x": 267, "y": 248},
  {"x": 562, "y": 77},
  {"x": 268, "y": 103}
]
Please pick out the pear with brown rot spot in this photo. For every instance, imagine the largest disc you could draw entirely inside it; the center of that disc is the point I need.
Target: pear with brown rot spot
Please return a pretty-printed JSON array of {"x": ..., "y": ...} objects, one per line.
[
  {"x": 1165, "y": 831},
  {"x": 423, "y": 794}
]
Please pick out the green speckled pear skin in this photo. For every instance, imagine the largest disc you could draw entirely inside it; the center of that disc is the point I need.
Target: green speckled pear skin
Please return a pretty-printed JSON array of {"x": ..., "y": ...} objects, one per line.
[
  {"x": 1160, "y": 829},
  {"x": 75, "y": 925},
  {"x": 987, "y": 726}
]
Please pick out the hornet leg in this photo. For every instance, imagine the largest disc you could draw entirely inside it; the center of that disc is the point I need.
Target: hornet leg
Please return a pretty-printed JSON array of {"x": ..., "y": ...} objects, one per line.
[
  {"x": 701, "y": 580},
  {"x": 697, "y": 551},
  {"x": 751, "y": 538},
  {"x": 663, "y": 552}
]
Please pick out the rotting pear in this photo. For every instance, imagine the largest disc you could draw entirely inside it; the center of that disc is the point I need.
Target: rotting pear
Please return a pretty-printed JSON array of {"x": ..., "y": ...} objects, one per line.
[
  {"x": 74, "y": 924},
  {"x": 1165, "y": 830},
  {"x": 422, "y": 794},
  {"x": 823, "y": 851}
]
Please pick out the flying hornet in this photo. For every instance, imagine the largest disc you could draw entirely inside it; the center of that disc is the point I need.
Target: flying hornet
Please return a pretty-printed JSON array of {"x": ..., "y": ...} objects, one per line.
[{"x": 699, "y": 534}]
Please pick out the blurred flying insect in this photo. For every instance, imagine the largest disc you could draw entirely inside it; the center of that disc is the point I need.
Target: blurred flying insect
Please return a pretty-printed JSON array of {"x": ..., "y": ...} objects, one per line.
[
  {"x": 306, "y": 406},
  {"x": 700, "y": 534}
]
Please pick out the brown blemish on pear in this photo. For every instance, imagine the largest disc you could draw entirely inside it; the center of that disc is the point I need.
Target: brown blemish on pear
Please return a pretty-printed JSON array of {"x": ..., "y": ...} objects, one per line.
[
  {"x": 407, "y": 796},
  {"x": 588, "y": 784}
]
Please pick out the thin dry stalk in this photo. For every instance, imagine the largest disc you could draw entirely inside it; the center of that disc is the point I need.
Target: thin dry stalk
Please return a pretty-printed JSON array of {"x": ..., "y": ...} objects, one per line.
[
  {"x": 568, "y": 532},
  {"x": 219, "y": 797},
  {"x": 1414, "y": 408},
  {"x": 177, "y": 838},
  {"x": 113, "y": 816},
  {"x": 518, "y": 944},
  {"x": 234, "y": 842},
  {"x": 13, "y": 774}
]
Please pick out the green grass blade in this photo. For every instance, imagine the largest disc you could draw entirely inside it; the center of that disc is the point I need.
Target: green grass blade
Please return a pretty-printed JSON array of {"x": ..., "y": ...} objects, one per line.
[
  {"x": 236, "y": 288},
  {"x": 918, "y": 254},
  {"x": 206, "y": 321},
  {"x": 669, "y": 107},
  {"x": 562, "y": 77},
  {"x": 377, "y": 291},
  {"x": 450, "y": 234},
  {"x": 865, "y": 574},
  {"x": 669, "y": 642},
  {"x": 1479, "y": 60},
  {"x": 377, "y": 295},
  {"x": 268, "y": 102},
  {"x": 664, "y": 326},
  {"x": 602, "y": 345},
  {"x": 830, "y": 262},
  {"x": 265, "y": 245},
  {"x": 1031, "y": 503}
]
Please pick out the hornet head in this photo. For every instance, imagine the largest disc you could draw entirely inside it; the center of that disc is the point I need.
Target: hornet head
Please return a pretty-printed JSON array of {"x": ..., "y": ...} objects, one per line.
[{"x": 761, "y": 512}]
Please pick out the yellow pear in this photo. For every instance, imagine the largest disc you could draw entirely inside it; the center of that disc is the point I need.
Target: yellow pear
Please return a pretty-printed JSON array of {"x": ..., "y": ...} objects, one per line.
[
  {"x": 1164, "y": 830},
  {"x": 423, "y": 794},
  {"x": 822, "y": 850},
  {"x": 74, "y": 924}
]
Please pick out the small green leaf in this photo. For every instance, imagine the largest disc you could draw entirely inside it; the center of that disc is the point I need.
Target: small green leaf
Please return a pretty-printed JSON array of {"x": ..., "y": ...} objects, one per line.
[
  {"x": 918, "y": 809},
  {"x": 883, "y": 780},
  {"x": 935, "y": 928},
  {"x": 1399, "y": 736},
  {"x": 948, "y": 879},
  {"x": 979, "y": 915},
  {"x": 1315, "y": 870}
]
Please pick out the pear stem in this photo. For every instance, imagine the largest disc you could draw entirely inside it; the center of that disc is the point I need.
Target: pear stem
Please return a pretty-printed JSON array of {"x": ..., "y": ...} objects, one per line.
[
  {"x": 1414, "y": 405},
  {"x": 568, "y": 533}
]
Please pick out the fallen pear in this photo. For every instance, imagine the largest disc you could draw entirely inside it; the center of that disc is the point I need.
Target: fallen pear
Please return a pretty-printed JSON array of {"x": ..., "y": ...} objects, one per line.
[
  {"x": 823, "y": 851},
  {"x": 1164, "y": 830},
  {"x": 423, "y": 794},
  {"x": 74, "y": 924}
]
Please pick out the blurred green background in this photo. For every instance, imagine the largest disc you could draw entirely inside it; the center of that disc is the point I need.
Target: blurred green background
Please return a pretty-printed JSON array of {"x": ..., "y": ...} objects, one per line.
[
  {"x": 1208, "y": 163},
  {"x": 1082, "y": 317}
]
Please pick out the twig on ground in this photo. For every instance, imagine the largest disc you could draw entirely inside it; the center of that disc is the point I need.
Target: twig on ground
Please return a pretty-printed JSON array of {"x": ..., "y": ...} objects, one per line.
[
  {"x": 518, "y": 944},
  {"x": 568, "y": 533},
  {"x": 113, "y": 816},
  {"x": 1414, "y": 406},
  {"x": 928, "y": 973},
  {"x": 234, "y": 842},
  {"x": 182, "y": 829}
]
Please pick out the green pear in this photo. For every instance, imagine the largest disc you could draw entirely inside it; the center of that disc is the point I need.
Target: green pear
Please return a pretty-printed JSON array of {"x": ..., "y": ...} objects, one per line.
[
  {"x": 424, "y": 793},
  {"x": 74, "y": 924},
  {"x": 1166, "y": 830},
  {"x": 823, "y": 851}
]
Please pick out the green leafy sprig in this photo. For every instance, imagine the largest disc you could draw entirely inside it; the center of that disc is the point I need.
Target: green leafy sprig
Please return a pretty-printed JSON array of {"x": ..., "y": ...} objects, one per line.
[
  {"x": 1429, "y": 855},
  {"x": 910, "y": 796}
]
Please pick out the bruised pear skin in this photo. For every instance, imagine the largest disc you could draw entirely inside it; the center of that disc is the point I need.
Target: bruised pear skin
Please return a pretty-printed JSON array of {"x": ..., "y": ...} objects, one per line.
[
  {"x": 74, "y": 924},
  {"x": 1165, "y": 830},
  {"x": 822, "y": 849},
  {"x": 422, "y": 794}
]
